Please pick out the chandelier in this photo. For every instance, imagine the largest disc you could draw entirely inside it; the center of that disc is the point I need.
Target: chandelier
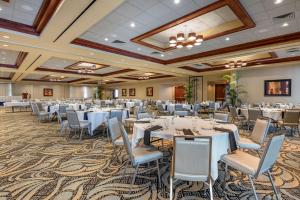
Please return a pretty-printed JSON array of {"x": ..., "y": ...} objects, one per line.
[
  {"x": 56, "y": 78},
  {"x": 188, "y": 40},
  {"x": 143, "y": 77},
  {"x": 86, "y": 68},
  {"x": 235, "y": 64}
]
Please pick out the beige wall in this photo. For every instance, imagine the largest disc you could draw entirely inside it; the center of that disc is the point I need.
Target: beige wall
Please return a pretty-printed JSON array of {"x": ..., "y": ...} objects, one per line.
[
  {"x": 253, "y": 82},
  {"x": 5, "y": 89}
]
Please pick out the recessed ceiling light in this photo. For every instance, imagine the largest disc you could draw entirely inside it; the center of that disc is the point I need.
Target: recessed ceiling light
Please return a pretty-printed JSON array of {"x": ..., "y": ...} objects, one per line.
[
  {"x": 6, "y": 36},
  {"x": 139, "y": 49},
  {"x": 227, "y": 39},
  {"x": 176, "y": 1},
  {"x": 106, "y": 39},
  {"x": 5, "y": 45},
  {"x": 278, "y": 1},
  {"x": 285, "y": 24},
  {"x": 132, "y": 24},
  {"x": 0, "y": 8},
  {"x": 162, "y": 55}
]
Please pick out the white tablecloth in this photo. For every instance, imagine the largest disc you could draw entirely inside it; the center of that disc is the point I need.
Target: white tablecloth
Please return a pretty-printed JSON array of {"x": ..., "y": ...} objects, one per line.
[
  {"x": 220, "y": 140},
  {"x": 16, "y": 104},
  {"x": 272, "y": 113}
]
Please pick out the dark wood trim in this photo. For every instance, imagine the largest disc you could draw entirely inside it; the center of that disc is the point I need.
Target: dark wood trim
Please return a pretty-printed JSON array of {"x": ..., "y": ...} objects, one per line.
[
  {"x": 45, "y": 13},
  {"x": 113, "y": 82},
  {"x": 118, "y": 72},
  {"x": 11, "y": 75},
  {"x": 47, "y": 81},
  {"x": 21, "y": 57},
  {"x": 239, "y": 47},
  {"x": 7, "y": 66},
  {"x": 80, "y": 79},
  {"x": 234, "y": 5},
  {"x": 7, "y": 1},
  {"x": 102, "y": 47},
  {"x": 5, "y": 78}
]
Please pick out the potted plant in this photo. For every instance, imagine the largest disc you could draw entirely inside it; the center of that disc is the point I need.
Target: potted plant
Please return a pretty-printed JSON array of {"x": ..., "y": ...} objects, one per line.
[
  {"x": 234, "y": 90},
  {"x": 98, "y": 93},
  {"x": 188, "y": 93}
]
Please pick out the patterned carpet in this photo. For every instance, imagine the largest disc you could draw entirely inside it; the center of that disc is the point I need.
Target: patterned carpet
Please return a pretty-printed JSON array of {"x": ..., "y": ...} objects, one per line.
[{"x": 38, "y": 163}]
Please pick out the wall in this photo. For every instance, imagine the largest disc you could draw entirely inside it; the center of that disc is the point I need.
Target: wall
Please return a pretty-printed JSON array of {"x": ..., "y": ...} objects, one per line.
[
  {"x": 162, "y": 89},
  {"x": 5, "y": 89},
  {"x": 253, "y": 82}
]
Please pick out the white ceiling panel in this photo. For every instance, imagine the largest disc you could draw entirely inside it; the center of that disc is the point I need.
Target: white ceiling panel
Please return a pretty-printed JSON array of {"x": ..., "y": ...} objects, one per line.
[
  {"x": 4, "y": 74},
  {"x": 58, "y": 63},
  {"x": 8, "y": 57},
  {"x": 22, "y": 11}
]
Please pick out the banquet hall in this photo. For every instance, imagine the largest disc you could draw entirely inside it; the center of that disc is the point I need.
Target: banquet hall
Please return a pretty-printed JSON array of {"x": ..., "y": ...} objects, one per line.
[{"x": 150, "y": 99}]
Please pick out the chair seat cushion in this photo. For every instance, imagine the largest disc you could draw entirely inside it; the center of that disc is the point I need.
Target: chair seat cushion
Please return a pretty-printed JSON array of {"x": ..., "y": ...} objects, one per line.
[
  {"x": 119, "y": 141},
  {"x": 84, "y": 124},
  {"x": 242, "y": 161},
  {"x": 247, "y": 143},
  {"x": 144, "y": 154}
]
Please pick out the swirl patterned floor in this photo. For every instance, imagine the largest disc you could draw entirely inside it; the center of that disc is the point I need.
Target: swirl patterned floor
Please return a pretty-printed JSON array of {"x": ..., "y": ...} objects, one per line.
[{"x": 38, "y": 163}]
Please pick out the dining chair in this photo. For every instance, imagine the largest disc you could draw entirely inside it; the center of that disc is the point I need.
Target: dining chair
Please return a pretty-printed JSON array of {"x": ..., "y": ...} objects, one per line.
[
  {"x": 116, "y": 135},
  {"x": 178, "y": 107},
  {"x": 40, "y": 113},
  {"x": 75, "y": 124},
  {"x": 211, "y": 107},
  {"x": 181, "y": 113},
  {"x": 254, "y": 166},
  {"x": 221, "y": 116},
  {"x": 196, "y": 109},
  {"x": 235, "y": 117},
  {"x": 62, "y": 110},
  {"x": 186, "y": 164},
  {"x": 116, "y": 113},
  {"x": 253, "y": 115},
  {"x": 161, "y": 110},
  {"x": 257, "y": 137},
  {"x": 143, "y": 115},
  {"x": 140, "y": 155},
  {"x": 62, "y": 121},
  {"x": 290, "y": 119}
]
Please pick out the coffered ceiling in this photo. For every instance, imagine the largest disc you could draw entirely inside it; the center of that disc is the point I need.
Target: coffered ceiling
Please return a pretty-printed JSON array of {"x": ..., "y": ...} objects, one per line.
[{"x": 124, "y": 40}]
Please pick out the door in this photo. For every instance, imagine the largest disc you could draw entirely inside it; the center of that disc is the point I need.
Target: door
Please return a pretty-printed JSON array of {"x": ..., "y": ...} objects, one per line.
[
  {"x": 179, "y": 94},
  {"x": 220, "y": 92}
]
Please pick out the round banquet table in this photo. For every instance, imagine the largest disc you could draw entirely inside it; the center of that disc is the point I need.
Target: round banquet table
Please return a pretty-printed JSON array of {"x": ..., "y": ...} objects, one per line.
[
  {"x": 220, "y": 140},
  {"x": 99, "y": 116}
]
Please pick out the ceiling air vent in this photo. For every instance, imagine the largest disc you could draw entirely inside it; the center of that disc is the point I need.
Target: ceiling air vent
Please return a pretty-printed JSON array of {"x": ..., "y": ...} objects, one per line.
[
  {"x": 118, "y": 42},
  {"x": 293, "y": 50},
  {"x": 155, "y": 53},
  {"x": 285, "y": 17}
]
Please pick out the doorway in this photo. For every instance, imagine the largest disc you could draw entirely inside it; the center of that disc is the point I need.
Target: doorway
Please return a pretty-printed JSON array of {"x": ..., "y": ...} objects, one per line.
[
  {"x": 220, "y": 92},
  {"x": 179, "y": 94}
]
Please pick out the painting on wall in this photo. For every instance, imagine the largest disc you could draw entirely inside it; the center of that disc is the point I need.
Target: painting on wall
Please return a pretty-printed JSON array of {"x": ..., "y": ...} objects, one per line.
[
  {"x": 149, "y": 91},
  {"x": 132, "y": 92},
  {"x": 48, "y": 92},
  {"x": 124, "y": 92},
  {"x": 278, "y": 87}
]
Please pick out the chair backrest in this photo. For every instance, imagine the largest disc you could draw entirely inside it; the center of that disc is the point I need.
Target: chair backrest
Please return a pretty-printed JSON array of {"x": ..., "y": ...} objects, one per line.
[
  {"x": 178, "y": 107},
  {"x": 221, "y": 116},
  {"x": 254, "y": 114},
  {"x": 40, "y": 106},
  {"x": 116, "y": 113},
  {"x": 143, "y": 115},
  {"x": 260, "y": 130},
  {"x": 233, "y": 111},
  {"x": 114, "y": 128},
  {"x": 211, "y": 105},
  {"x": 62, "y": 108},
  {"x": 186, "y": 164},
  {"x": 181, "y": 113},
  {"x": 34, "y": 108},
  {"x": 270, "y": 154},
  {"x": 197, "y": 107},
  {"x": 88, "y": 106},
  {"x": 160, "y": 108},
  {"x": 291, "y": 117},
  {"x": 127, "y": 143},
  {"x": 73, "y": 120},
  {"x": 137, "y": 109}
]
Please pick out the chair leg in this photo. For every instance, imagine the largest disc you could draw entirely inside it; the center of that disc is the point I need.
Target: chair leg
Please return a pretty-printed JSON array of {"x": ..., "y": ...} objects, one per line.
[
  {"x": 226, "y": 170},
  {"x": 133, "y": 178},
  {"x": 253, "y": 188},
  {"x": 158, "y": 173},
  {"x": 81, "y": 134},
  {"x": 273, "y": 185},
  {"x": 211, "y": 189},
  {"x": 171, "y": 188}
]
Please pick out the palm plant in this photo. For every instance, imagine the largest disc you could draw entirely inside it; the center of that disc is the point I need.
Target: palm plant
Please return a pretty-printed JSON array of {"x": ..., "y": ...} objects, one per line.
[
  {"x": 189, "y": 92},
  {"x": 234, "y": 90}
]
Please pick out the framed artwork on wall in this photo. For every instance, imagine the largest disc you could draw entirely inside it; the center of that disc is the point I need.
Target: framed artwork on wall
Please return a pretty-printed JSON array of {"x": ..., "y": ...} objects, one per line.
[
  {"x": 282, "y": 87},
  {"x": 132, "y": 92},
  {"x": 124, "y": 92},
  {"x": 48, "y": 92},
  {"x": 149, "y": 91}
]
